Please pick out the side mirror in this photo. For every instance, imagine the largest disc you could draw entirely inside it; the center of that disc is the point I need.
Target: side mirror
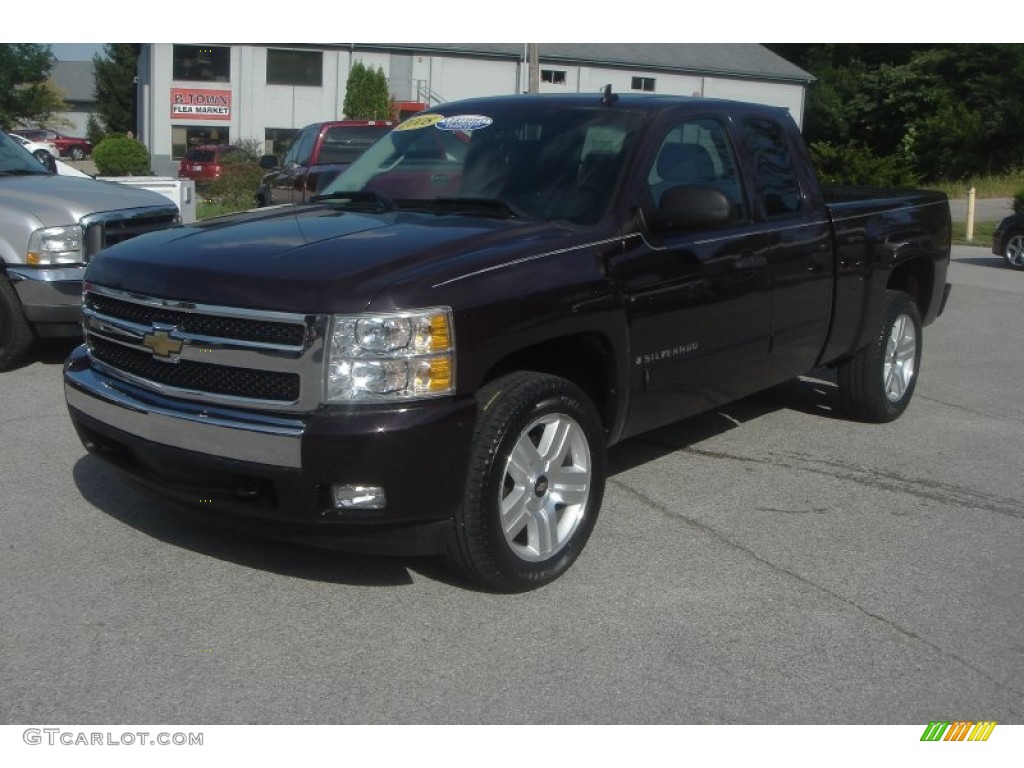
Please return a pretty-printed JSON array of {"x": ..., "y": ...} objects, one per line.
[
  {"x": 268, "y": 162},
  {"x": 691, "y": 207},
  {"x": 49, "y": 162}
]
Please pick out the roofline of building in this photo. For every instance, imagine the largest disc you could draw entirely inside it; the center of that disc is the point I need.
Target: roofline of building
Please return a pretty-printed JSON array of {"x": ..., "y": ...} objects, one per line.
[{"x": 546, "y": 56}]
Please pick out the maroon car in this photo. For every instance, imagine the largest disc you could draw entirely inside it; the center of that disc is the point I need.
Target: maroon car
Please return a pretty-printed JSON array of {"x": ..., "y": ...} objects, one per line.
[
  {"x": 205, "y": 162},
  {"x": 69, "y": 146}
]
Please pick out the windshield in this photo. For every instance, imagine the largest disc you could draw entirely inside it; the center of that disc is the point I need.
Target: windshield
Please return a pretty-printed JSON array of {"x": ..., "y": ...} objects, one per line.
[
  {"x": 16, "y": 160},
  {"x": 534, "y": 160}
]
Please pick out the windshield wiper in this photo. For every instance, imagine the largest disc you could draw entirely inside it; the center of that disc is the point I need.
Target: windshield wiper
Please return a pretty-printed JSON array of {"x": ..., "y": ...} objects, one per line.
[
  {"x": 473, "y": 206},
  {"x": 379, "y": 201},
  {"x": 24, "y": 172}
]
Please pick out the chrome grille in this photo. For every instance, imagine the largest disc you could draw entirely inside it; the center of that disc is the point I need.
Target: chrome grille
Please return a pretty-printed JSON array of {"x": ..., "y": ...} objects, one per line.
[
  {"x": 102, "y": 230},
  {"x": 203, "y": 377},
  {"x": 212, "y": 354},
  {"x": 238, "y": 328}
]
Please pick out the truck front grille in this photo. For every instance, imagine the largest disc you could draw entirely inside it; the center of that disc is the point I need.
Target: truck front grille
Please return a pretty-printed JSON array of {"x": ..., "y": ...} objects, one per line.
[
  {"x": 102, "y": 230},
  {"x": 212, "y": 354},
  {"x": 199, "y": 377},
  {"x": 238, "y": 328}
]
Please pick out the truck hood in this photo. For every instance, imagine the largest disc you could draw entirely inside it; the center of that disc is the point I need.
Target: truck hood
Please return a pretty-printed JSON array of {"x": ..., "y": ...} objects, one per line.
[
  {"x": 61, "y": 200},
  {"x": 315, "y": 258}
]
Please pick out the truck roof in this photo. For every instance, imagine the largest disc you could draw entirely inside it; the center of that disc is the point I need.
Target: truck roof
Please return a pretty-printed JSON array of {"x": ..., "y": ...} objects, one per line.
[{"x": 644, "y": 102}]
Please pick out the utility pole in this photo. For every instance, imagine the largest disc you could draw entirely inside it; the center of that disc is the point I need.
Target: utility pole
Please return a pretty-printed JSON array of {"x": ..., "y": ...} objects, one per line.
[{"x": 533, "y": 65}]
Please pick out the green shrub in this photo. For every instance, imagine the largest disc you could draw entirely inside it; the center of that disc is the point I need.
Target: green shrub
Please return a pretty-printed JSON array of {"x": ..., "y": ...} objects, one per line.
[
  {"x": 1018, "y": 201},
  {"x": 121, "y": 156},
  {"x": 235, "y": 188}
]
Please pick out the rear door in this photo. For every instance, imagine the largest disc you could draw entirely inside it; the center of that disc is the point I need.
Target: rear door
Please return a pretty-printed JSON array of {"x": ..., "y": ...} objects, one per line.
[{"x": 799, "y": 243}]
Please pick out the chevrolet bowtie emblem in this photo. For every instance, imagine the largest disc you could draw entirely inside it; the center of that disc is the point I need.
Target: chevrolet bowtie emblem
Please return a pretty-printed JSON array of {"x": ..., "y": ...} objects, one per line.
[{"x": 162, "y": 345}]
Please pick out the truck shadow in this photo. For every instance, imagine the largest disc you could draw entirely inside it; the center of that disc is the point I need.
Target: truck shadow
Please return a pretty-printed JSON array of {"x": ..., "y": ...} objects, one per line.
[
  {"x": 49, "y": 352},
  {"x": 113, "y": 494},
  {"x": 813, "y": 394},
  {"x": 983, "y": 261}
]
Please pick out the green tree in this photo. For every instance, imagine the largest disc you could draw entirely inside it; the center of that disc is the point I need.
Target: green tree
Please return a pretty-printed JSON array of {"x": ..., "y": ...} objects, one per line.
[
  {"x": 943, "y": 111},
  {"x": 114, "y": 74},
  {"x": 27, "y": 95},
  {"x": 366, "y": 94}
]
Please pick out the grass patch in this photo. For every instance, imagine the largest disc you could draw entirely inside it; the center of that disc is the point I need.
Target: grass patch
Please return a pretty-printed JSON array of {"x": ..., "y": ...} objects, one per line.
[
  {"x": 982, "y": 233},
  {"x": 1005, "y": 185},
  {"x": 206, "y": 209}
]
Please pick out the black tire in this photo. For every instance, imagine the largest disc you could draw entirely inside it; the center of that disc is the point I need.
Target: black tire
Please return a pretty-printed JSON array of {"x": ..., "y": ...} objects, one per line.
[
  {"x": 515, "y": 551},
  {"x": 77, "y": 153},
  {"x": 1013, "y": 249},
  {"x": 41, "y": 155},
  {"x": 878, "y": 382},
  {"x": 16, "y": 335}
]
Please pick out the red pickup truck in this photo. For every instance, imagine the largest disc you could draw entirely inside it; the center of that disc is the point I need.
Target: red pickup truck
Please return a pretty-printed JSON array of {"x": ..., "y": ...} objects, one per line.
[{"x": 321, "y": 151}]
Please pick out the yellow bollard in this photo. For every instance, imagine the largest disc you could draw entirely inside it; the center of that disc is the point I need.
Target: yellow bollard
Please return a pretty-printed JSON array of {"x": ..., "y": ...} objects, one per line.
[{"x": 970, "y": 215}]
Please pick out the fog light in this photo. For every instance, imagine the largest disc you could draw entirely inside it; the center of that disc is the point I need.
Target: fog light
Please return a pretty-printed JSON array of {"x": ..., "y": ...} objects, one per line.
[{"x": 358, "y": 497}]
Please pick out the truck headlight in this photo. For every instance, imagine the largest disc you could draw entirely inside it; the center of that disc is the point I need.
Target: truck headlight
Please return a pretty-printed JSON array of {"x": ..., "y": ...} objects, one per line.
[
  {"x": 55, "y": 245},
  {"x": 391, "y": 357}
]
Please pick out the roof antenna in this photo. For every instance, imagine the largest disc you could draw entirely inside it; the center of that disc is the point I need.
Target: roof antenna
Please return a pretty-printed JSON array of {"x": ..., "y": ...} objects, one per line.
[{"x": 607, "y": 97}]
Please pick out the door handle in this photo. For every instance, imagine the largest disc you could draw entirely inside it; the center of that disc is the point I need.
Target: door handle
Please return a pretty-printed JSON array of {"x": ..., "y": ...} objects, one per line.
[{"x": 750, "y": 261}]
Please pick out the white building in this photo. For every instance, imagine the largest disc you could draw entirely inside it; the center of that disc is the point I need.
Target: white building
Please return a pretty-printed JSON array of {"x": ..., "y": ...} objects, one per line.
[{"x": 222, "y": 93}]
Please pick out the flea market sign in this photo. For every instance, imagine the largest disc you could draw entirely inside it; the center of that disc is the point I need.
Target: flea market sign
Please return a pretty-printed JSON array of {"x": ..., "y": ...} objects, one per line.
[{"x": 200, "y": 104}]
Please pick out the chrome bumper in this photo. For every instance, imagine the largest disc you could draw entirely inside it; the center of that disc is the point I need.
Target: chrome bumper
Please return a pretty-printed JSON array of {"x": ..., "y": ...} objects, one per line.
[
  {"x": 49, "y": 295},
  {"x": 220, "y": 432}
]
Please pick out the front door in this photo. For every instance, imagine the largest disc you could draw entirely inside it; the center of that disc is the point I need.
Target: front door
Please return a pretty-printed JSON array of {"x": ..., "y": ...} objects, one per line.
[{"x": 698, "y": 302}]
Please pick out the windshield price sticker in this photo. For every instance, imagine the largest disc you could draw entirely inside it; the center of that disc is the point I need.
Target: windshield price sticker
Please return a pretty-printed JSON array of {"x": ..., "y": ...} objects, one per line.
[
  {"x": 419, "y": 121},
  {"x": 464, "y": 123}
]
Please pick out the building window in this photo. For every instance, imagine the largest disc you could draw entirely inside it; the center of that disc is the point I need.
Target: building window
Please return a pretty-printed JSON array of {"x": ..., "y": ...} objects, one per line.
[
  {"x": 202, "y": 63},
  {"x": 554, "y": 76},
  {"x": 295, "y": 67},
  {"x": 184, "y": 137},
  {"x": 643, "y": 84}
]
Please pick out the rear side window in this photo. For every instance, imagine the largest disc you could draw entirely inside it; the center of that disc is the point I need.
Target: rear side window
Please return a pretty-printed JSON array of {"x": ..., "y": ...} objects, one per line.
[
  {"x": 344, "y": 143},
  {"x": 776, "y": 174},
  {"x": 199, "y": 156}
]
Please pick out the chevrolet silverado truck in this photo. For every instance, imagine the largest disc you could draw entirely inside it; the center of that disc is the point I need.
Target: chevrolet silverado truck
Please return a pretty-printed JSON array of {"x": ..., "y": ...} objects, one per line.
[
  {"x": 434, "y": 355},
  {"x": 319, "y": 153},
  {"x": 50, "y": 227}
]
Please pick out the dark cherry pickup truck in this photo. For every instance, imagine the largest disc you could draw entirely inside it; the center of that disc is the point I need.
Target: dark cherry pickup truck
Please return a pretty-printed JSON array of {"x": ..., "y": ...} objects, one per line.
[
  {"x": 435, "y": 353},
  {"x": 319, "y": 153}
]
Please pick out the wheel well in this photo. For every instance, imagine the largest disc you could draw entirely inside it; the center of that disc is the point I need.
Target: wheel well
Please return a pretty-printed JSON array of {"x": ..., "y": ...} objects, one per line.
[
  {"x": 917, "y": 279},
  {"x": 584, "y": 359}
]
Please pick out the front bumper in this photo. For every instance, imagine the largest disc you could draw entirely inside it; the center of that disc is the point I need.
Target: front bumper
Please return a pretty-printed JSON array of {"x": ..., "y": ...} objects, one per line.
[
  {"x": 51, "y": 297},
  {"x": 274, "y": 474}
]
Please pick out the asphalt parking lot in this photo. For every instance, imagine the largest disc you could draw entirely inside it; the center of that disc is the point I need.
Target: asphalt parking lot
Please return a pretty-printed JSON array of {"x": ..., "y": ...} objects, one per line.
[{"x": 767, "y": 563}]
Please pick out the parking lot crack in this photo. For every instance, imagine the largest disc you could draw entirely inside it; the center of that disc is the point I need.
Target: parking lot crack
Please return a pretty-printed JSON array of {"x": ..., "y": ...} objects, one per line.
[
  {"x": 709, "y": 530},
  {"x": 972, "y": 411},
  {"x": 928, "y": 489}
]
